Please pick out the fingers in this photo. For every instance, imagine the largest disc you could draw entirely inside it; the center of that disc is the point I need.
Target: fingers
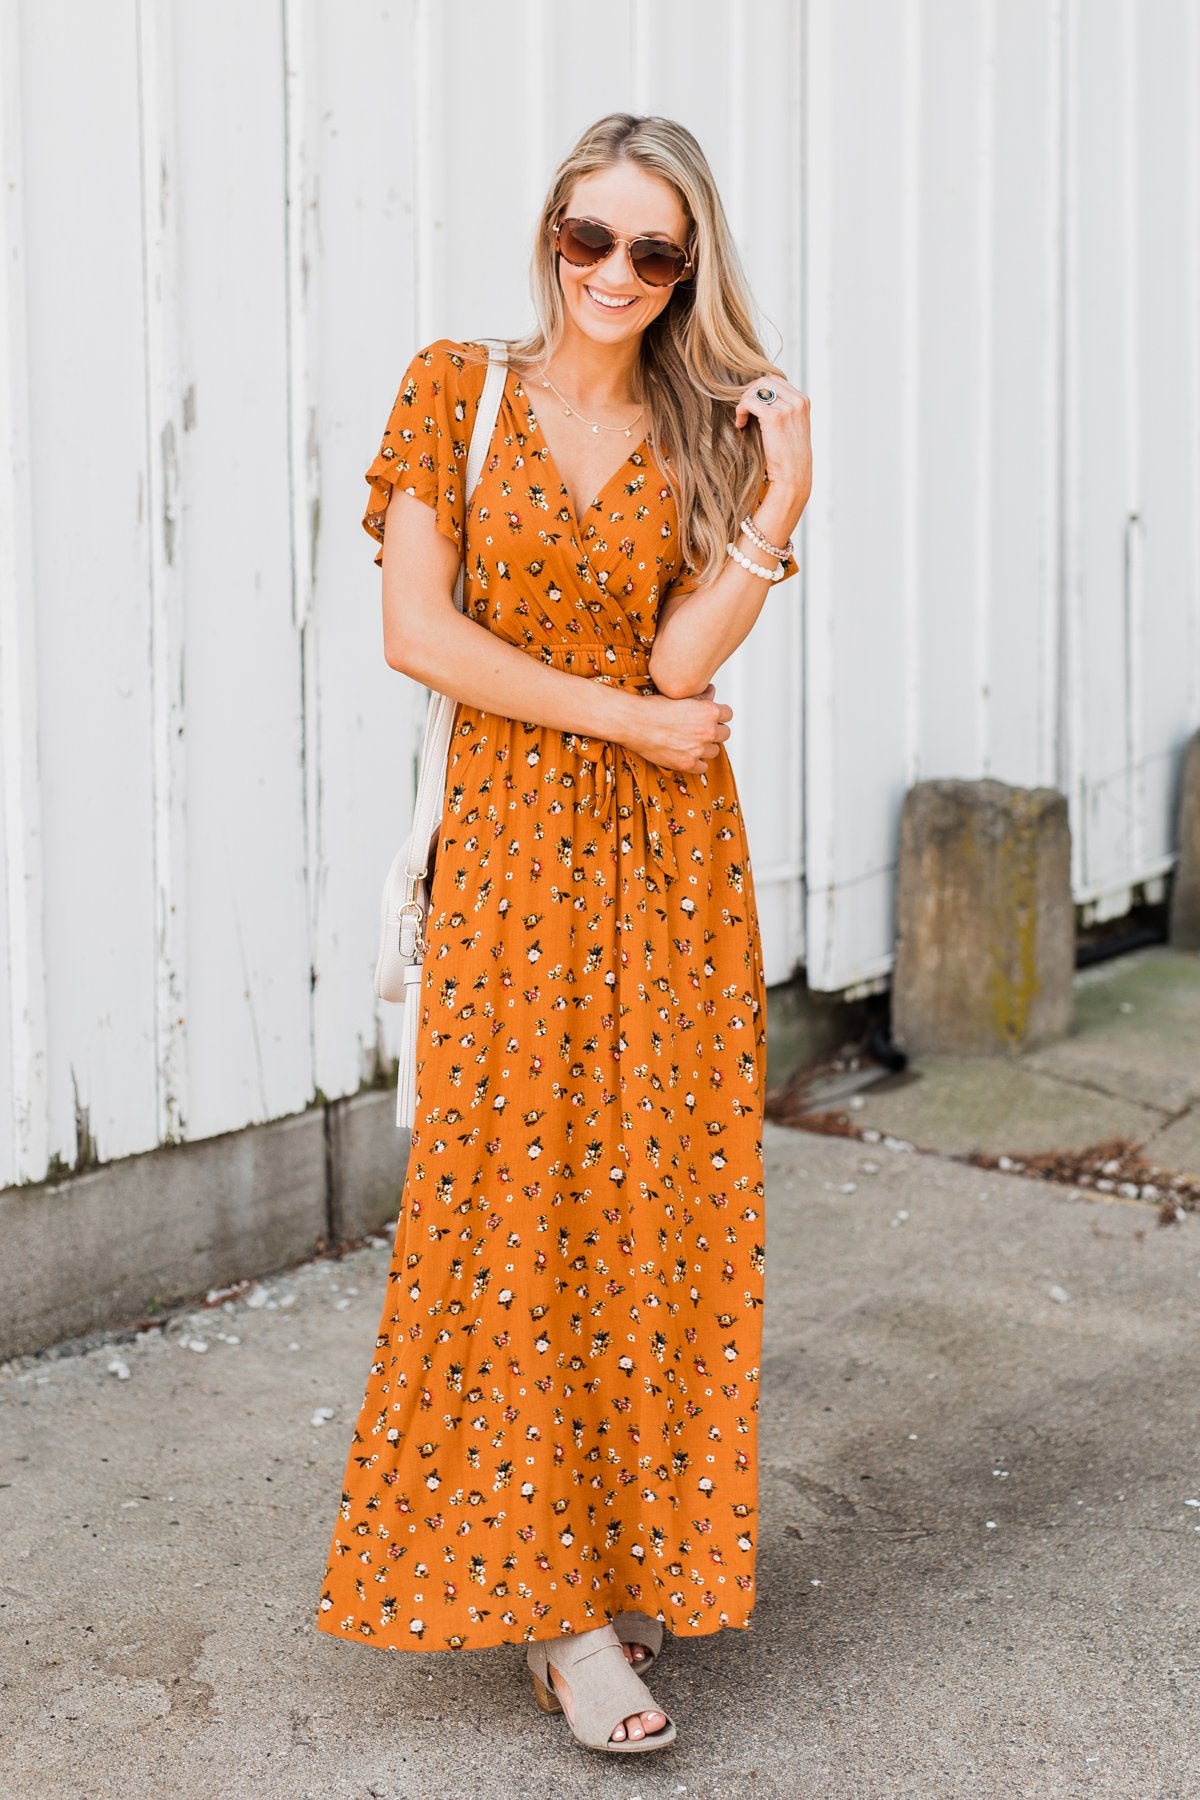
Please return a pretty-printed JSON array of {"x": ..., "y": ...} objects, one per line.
[
  {"x": 709, "y": 693},
  {"x": 723, "y": 710},
  {"x": 789, "y": 403},
  {"x": 698, "y": 736}
]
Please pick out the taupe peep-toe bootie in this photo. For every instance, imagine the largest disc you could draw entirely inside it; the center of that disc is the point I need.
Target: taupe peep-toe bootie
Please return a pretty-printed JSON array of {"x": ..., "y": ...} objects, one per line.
[{"x": 604, "y": 1689}]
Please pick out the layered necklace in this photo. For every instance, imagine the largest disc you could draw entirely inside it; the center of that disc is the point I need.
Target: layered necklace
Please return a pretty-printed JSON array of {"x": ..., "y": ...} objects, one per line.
[{"x": 573, "y": 411}]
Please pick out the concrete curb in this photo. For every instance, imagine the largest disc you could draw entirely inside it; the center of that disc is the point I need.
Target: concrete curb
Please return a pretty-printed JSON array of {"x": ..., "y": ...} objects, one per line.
[{"x": 114, "y": 1245}]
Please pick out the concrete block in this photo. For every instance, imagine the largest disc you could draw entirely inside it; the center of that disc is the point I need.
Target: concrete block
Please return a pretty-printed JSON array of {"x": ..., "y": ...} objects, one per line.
[
  {"x": 1183, "y": 920},
  {"x": 110, "y": 1245},
  {"x": 368, "y": 1157},
  {"x": 985, "y": 952},
  {"x": 113, "y": 1245},
  {"x": 803, "y": 1024}
]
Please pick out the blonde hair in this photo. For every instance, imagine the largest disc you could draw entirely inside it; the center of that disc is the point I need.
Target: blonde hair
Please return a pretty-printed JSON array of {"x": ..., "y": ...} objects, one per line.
[{"x": 697, "y": 356}]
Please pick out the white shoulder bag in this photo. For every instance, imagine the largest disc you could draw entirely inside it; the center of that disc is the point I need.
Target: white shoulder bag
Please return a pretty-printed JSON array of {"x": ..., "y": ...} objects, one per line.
[{"x": 399, "y": 969}]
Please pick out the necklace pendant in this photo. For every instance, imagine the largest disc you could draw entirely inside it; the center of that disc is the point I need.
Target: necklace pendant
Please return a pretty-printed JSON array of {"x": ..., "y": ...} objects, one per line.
[
  {"x": 628, "y": 432},
  {"x": 595, "y": 428}
]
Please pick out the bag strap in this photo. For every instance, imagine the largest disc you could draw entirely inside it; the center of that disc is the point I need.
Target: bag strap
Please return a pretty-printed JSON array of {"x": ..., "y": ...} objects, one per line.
[
  {"x": 481, "y": 437},
  {"x": 439, "y": 718}
]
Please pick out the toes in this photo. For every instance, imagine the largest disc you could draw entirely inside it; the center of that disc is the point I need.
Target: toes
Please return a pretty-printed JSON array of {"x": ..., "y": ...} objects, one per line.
[{"x": 638, "y": 1725}]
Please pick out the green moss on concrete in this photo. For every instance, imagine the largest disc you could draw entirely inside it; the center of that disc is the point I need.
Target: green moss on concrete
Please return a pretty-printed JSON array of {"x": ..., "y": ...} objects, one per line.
[{"x": 1013, "y": 982}]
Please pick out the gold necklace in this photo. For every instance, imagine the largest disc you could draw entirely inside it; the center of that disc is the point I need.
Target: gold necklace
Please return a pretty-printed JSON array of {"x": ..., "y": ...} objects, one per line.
[{"x": 569, "y": 410}]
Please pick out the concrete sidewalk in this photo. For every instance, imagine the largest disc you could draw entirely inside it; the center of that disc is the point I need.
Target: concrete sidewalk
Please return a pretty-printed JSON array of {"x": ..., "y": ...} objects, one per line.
[
  {"x": 979, "y": 1553},
  {"x": 1129, "y": 1069}
]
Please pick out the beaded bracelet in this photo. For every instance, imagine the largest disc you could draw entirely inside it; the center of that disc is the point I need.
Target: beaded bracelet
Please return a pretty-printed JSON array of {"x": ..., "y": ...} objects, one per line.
[
  {"x": 775, "y": 574},
  {"x": 752, "y": 532}
]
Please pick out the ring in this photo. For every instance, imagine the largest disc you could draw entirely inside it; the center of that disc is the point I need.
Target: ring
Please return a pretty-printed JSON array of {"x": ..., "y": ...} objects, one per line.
[{"x": 766, "y": 393}]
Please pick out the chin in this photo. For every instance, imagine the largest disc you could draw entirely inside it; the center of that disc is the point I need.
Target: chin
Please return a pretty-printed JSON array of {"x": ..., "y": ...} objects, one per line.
[{"x": 597, "y": 326}]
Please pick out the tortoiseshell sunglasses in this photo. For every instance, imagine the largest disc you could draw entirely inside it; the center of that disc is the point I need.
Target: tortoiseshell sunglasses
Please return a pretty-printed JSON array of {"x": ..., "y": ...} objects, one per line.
[{"x": 586, "y": 242}]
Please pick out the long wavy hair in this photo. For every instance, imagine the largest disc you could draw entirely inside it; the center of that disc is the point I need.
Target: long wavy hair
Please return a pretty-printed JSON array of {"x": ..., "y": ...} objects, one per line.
[{"x": 696, "y": 357}]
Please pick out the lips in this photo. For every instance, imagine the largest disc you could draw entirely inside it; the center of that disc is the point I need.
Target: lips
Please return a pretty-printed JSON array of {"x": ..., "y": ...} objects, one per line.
[{"x": 608, "y": 306}]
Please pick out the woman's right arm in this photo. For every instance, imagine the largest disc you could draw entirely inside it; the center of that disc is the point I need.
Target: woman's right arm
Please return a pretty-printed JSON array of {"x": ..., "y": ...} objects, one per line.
[{"x": 425, "y": 636}]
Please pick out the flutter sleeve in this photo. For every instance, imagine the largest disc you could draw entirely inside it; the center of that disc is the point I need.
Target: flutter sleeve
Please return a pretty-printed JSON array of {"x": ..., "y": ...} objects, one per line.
[{"x": 424, "y": 447}]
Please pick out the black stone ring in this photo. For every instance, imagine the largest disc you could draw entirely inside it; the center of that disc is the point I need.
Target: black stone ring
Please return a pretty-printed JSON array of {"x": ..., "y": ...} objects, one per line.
[{"x": 766, "y": 393}]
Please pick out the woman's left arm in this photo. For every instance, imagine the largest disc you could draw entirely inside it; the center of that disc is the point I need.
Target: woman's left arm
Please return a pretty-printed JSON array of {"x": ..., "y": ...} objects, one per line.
[{"x": 696, "y": 632}]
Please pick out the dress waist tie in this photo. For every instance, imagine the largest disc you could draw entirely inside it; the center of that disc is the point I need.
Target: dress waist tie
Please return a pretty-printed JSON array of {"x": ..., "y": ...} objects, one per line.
[{"x": 621, "y": 777}]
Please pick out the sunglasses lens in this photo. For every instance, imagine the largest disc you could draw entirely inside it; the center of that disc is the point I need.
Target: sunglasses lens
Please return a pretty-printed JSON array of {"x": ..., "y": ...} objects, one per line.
[
  {"x": 583, "y": 243},
  {"x": 655, "y": 263}
]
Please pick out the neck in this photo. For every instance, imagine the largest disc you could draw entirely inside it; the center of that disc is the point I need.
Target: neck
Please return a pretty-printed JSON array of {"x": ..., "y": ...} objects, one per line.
[{"x": 597, "y": 378}]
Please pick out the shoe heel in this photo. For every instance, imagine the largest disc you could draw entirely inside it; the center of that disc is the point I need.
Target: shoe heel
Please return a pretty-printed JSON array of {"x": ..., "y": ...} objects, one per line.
[{"x": 546, "y": 1698}]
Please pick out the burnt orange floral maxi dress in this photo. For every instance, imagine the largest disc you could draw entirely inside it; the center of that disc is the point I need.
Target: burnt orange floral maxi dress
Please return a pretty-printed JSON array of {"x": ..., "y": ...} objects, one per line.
[{"x": 560, "y": 1420}]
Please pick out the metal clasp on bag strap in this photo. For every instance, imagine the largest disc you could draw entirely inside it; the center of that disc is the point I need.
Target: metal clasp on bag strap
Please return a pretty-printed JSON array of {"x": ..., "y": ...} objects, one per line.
[{"x": 412, "y": 935}]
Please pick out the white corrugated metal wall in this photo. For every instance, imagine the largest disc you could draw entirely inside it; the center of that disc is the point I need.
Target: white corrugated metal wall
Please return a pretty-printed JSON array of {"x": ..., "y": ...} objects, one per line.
[
  {"x": 974, "y": 232},
  {"x": 1002, "y": 210}
]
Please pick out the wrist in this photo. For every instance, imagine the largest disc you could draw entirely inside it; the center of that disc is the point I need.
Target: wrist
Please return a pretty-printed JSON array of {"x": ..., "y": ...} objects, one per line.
[
  {"x": 627, "y": 712},
  {"x": 783, "y": 505}
]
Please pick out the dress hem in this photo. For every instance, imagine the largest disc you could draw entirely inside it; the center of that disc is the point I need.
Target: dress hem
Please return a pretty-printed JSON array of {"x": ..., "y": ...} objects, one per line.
[{"x": 379, "y": 1642}]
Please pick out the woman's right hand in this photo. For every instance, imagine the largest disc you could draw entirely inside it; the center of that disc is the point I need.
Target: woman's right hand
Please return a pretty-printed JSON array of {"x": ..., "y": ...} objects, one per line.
[{"x": 681, "y": 734}]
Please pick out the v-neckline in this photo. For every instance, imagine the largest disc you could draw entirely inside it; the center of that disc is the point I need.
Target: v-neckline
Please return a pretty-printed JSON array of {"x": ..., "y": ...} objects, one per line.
[{"x": 551, "y": 463}]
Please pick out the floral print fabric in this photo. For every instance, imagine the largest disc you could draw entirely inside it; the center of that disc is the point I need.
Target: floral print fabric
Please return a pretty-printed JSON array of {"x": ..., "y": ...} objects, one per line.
[{"x": 560, "y": 1417}]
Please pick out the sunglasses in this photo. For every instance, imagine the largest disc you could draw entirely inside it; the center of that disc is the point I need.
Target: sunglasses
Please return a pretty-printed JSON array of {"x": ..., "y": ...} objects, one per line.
[{"x": 586, "y": 242}]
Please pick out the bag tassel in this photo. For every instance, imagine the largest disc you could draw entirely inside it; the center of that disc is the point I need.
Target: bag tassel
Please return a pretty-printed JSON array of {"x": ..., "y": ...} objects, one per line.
[{"x": 406, "y": 1067}]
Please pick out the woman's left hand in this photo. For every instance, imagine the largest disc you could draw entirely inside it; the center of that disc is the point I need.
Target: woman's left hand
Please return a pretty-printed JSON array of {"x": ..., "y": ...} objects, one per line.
[{"x": 787, "y": 444}]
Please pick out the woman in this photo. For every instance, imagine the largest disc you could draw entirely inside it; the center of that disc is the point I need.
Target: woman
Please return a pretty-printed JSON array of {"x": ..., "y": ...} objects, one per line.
[{"x": 557, "y": 1444}]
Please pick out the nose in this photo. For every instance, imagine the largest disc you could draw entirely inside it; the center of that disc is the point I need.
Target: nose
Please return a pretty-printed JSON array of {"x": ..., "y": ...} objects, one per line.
[{"x": 623, "y": 251}]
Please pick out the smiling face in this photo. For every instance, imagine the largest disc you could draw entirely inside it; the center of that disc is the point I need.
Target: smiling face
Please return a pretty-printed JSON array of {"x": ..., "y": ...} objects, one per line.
[{"x": 632, "y": 203}]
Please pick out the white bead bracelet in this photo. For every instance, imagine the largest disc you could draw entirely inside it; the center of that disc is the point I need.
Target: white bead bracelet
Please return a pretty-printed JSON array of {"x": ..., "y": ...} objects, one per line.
[{"x": 775, "y": 574}]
